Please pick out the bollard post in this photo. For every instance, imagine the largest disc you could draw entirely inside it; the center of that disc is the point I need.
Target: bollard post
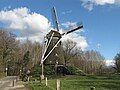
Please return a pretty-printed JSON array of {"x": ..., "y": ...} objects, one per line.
[
  {"x": 46, "y": 81},
  {"x": 28, "y": 79},
  {"x": 58, "y": 84},
  {"x": 13, "y": 83},
  {"x": 0, "y": 82}
]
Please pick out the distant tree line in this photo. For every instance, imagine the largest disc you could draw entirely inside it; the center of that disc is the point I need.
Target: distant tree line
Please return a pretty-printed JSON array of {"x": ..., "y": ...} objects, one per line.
[
  {"x": 91, "y": 62},
  {"x": 21, "y": 57},
  {"x": 117, "y": 62},
  {"x": 16, "y": 55}
]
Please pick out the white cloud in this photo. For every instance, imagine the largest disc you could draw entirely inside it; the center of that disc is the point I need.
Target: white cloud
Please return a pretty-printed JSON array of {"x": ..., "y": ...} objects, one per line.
[
  {"x": 69, "y": 24},
  {"x": 34, "y": 26},
  {"x": 80, "y": 40},
  {"x": 75, "y": 36},
  {"x": 89, "y": 4},
  {"x": 109, "y": 62},
  {"x": 67, "y": 12},
  {"x": 103, "y": 2},
  {"x": 30, "y": 25}
]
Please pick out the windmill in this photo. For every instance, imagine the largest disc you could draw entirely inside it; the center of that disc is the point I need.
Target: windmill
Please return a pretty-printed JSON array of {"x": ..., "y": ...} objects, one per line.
[{"x": 52, "y": 54}]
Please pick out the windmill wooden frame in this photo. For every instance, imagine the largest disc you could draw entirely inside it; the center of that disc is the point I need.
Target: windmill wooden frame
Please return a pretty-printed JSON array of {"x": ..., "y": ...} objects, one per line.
[{"x": 54, "y": 36}]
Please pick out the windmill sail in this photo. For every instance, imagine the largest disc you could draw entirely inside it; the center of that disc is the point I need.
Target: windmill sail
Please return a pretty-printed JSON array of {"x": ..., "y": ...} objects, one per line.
[
  {"x": 55, "y": 19},
  {"x": 79, "y": 27},
  {"x": 54, "y": 46}
]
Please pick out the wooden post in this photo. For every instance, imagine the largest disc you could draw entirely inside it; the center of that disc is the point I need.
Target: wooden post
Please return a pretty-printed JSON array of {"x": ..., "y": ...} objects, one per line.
[
  {"x": 13, "y": 83},
  {"x": 28, "y": 78},
  {"x": 58, "y": 84},
  {"x": 42, "y": 76},
  {"x": 46, "y": 81},
  {"x": 0, "y": 82}
]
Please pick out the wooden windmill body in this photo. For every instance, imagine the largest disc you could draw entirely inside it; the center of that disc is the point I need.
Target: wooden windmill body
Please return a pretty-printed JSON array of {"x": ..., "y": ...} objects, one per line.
[
  {"x": 53, "y": 54},
  {"x": 57, "y": 55}
]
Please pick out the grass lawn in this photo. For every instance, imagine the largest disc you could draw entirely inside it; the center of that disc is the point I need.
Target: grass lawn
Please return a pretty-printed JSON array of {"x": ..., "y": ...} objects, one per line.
[{"x": 80, "y": 83}]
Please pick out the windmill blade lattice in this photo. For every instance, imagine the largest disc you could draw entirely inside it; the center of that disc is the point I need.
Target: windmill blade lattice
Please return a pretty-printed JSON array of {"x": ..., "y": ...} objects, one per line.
[
  {"x": 79, "y": 27},
  {"x": 55, "y": 19}
]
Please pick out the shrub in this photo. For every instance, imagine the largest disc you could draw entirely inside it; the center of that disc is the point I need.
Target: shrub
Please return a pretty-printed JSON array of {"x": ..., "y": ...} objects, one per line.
[
  {"x": 49, "y": 70},
  {"x": 75, "y": 71},
  {"x": 36, "y": 71}
]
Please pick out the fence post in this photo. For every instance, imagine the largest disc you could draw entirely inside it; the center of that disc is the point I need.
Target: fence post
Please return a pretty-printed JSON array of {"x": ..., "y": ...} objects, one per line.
[
  {"x": 46, "y": 81},
  {"x": 58, "y": 84}
]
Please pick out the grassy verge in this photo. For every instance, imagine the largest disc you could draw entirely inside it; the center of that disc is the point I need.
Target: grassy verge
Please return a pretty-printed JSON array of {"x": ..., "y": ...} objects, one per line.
[
  {"x": 39, "y": 86},
  {"x": 80, "y": 83}
]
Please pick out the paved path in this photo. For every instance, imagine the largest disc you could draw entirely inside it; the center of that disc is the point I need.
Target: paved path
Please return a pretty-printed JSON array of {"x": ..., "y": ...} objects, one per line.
[{"x": 11, "y": 83}]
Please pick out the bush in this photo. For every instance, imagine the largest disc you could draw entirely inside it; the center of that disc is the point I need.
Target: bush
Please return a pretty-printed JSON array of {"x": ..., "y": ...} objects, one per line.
[
  {"x": 36, "y": 71},
  {"x": 75, "y": 71},
  {"x": 49, "y": 70}
]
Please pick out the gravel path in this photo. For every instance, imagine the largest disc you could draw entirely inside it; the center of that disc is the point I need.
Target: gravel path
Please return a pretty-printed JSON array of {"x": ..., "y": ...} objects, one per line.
[{"x": 12, "y": 83}]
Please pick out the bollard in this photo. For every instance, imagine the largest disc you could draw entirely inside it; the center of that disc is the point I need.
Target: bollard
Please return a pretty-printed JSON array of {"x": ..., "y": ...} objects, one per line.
[
  {"x": 46, "y": 81},
  {"x": 28, "y": 79},
  {"x": 0, "y": 82},
  {"x": 58, "y": 84},
  {"x": 13, "y": 83},
  {"x": 92, "y": 88}
]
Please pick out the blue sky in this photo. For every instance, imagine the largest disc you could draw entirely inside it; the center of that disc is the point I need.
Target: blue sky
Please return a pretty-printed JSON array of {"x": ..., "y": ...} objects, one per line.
[{"x": 101, "y": 19}]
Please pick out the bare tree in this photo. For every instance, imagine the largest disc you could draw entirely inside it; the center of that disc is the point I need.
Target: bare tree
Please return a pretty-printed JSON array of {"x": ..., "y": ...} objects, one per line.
[
  {"x": 117, "y": 62},
  {"x": 95, "y": 62},
  {"x": 8, "y": 47},
  {"x": 70, "y": 50}
]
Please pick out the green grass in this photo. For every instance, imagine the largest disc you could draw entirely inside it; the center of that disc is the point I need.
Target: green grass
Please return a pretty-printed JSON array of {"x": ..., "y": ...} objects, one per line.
[{"x": 80, "y": 83}]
